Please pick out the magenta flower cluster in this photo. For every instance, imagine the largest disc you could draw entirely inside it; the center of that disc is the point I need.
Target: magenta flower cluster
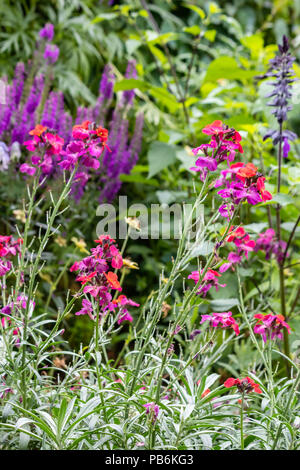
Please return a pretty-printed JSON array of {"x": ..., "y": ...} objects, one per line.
[
  {"x": 221, "y": 320},
  {"x": 8, "y": 248},
  {"x": 210, "y": 279},
  {"x": 243, "y": 244},
  {"x": 268, "y": 242},
  {"x": 28, "y": 102},
  {"x": 97, "y": 274},
  {"x": 270, "y": 326},
  {"x": 224, "y": 144}
]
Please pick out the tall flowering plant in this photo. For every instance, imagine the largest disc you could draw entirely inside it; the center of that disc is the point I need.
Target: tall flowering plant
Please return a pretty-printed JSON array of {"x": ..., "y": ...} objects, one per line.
[
  {"x": 282, "y": 77},
  {"x": 31, "y": 100},
  {"x": 84, "y": 150}
]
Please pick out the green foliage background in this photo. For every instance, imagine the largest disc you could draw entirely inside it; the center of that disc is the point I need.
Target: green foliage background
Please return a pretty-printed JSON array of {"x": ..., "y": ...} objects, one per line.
[{"x": 197, "y": 61}]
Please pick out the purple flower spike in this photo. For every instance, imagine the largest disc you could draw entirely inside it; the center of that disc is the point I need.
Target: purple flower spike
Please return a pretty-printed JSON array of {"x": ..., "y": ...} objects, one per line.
[
  {"x": 51, "y": 53},
  {"x": 47, "y": 32}
]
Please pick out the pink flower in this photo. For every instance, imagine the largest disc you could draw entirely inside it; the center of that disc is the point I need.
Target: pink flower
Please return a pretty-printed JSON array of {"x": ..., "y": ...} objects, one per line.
[
  {"x": 55, "y": 142},
  {"x": 153, "y": 410},
  {"x": 241, "y": 240},
  {"x": 224, "y": 144},
  {"x": 209, "y": 280},
  {"x": 216, "y": 128},
  {"x": 245, "y": 385},
  {"x": 95, "y": 272},
  {"x": 125, "y": 316},
  {"x": 232, "y": 258},
  {"x": 241, "y": 182},
  {"x": 270, "y": 326},
  {"x": 29, "y": 170},
  {"x": 87, "y": 309},
  {"x": 268, "y": 242},
  {"x": 221, "y": 320},
  {"x": 122, "y": 300}
]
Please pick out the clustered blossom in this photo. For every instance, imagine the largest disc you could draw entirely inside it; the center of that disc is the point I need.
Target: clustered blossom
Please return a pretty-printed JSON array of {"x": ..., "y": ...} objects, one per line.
[
  {"x": 221, "y": 320},
  {"x": 47, "y": 148},
  {"x": 246, "y": 385},
  {"x": 270, "y": 326},
  {"x": 25, "y": 97},
  {"x": 280, "y": 69},
  {"x": 243, "y": 244},
  {"x": 17, "y": 305},
  {"x": 47, "y": 32},
  {"x": 20, "y": 303},
  {"x": 51, "y": 53},
  {"x": 96, "y": 273},
  {"x": 241, "y": 182},
  {"x": 89, "y": 141},
  {"x": 8, "y": 248},
  {"x": 6, "y": 323},
  {"x": 224, "y": 144},
  {"x": 210, "y": 279},
  {"x": 267, "y": 242},
  {"x": 84, "y": 150},
  {"x": 152, "y": 410}
]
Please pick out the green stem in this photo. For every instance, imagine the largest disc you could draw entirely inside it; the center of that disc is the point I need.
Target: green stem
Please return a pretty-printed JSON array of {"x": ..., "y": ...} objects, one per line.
[
  {"x": 33, "y": 276},
  {"x": 242, "y": 422},
  {"x": 286, "y": 345}
]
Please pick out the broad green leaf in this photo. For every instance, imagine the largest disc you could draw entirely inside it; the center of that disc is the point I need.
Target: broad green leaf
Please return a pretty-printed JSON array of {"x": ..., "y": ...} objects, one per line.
[
  {"x": 160, "y": 156},
  {"x": 256, "y": 227},
  {"x": 282, "y": 199},
  {"x": 132, "y": 45},
  {"x": 162, "y": 38},
  {"x": 294, "y": 174},
  {"x": 195, "y": 30},
  {"x": 228, "y": 68},
  {"x": 137, "y": 178},
  {"x": 198, "y": 10},
  {"x": 165, "y": 98},
  {"x": 130, "y": 84},
  {"x": 158, "y": 54},
  {"x": 223, "y": 305},
  {"x": 140, "y": 169},
  {"x": 255, "y": 43},
  {"x": 210, "y": 34}
]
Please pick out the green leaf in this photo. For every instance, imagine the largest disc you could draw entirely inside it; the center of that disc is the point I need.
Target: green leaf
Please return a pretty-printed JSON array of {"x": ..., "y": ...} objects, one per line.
[
  {"x": 165, "y": 98},
  {"x": 195, "y": 30},
  {"x": 143, "y": 13},
  {"x": 160, "y": 156},
  {"x": 210, "y": 34},
  {"x": 204, "y": 249},
  {"x": 227, "y": 67},
  {"x": 130, "y": 84},
  {"x": 223, "y": 305},
  {"x": 132, "y": 45},
  {"x": 198, "y": 10},
  {"x": 136, "y": 178},
  {"x": 255, "y": 43},
  {"x": 283, "y": 199},
  {"x": 256, "y": 227},
  {"x": 162, "y": 38},
  {"x": 158, "y": 54},
  {"x": 104, "y": 16}
]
